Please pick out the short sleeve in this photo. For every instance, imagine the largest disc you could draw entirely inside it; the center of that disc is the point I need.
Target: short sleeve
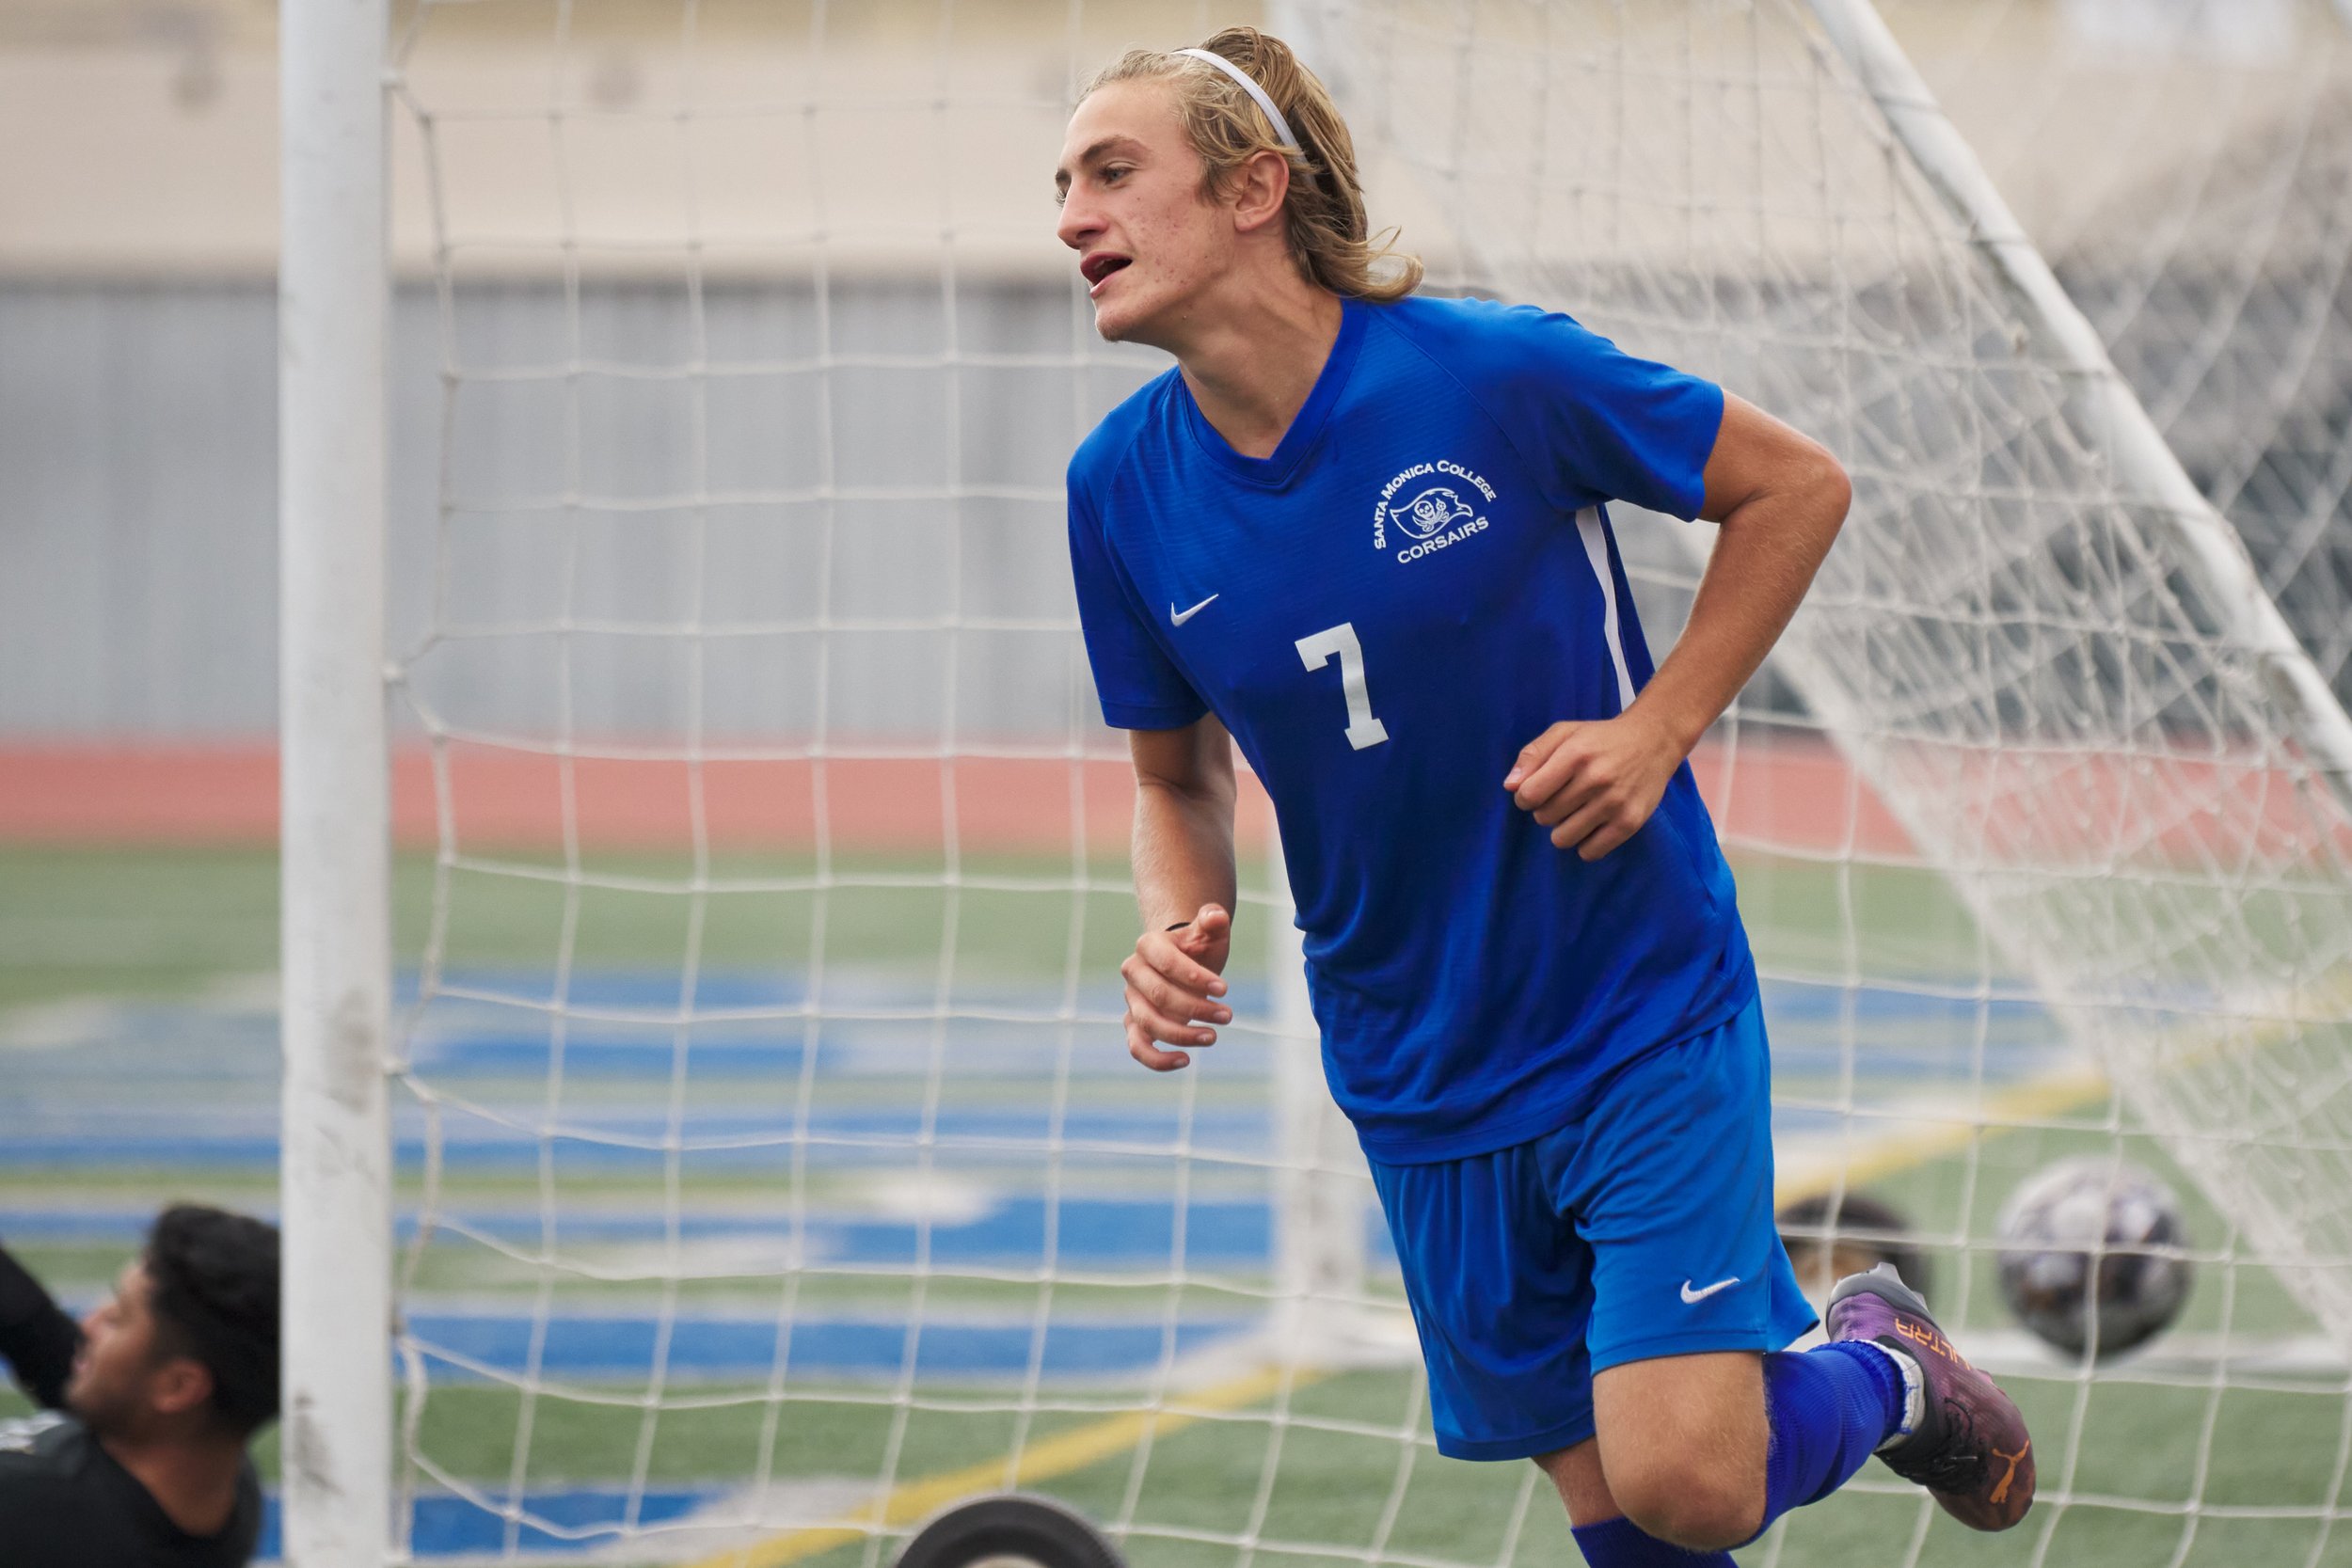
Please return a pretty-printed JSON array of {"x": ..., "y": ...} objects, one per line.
[
  {"x": 1605, "y": 425},
  {"x": 1140, "y": 687}
]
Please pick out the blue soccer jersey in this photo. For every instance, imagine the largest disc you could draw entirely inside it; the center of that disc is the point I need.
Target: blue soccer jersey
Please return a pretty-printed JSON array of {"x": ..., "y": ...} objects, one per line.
[{"x": 1418, "y": 582}]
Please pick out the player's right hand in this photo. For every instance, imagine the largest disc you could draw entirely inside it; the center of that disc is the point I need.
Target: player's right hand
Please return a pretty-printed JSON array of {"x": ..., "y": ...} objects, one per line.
[{"x": 1172, "y": 989}]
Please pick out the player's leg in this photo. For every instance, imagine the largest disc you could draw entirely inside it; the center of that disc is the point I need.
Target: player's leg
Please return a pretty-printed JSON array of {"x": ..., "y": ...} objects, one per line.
[
  {"x": 1686, "y": 1465},
  {"x": 1583, "y": 1489},
  {"x": 1887, "y": 1382},
  {"x": 1605, "y": 1537},
  {"x": 1500, "y": 1286},
  {"x": 1669, "y": 1181},
  {"x": 1705, "y": 1437},
  {"x": 1504, "y": 1290},
  {"x": 1682, "y": 1444},
  {"x": 1707, "y": 1431},
  {"x": 1705, "y": 1450}
]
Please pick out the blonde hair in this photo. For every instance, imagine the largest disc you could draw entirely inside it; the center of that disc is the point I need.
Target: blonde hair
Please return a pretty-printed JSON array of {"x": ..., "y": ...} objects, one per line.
[{"x": 1323, "y": 216}]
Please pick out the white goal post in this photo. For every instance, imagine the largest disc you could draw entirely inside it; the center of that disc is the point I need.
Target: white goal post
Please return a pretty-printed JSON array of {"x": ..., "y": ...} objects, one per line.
[{"x": 334, "y": 798}]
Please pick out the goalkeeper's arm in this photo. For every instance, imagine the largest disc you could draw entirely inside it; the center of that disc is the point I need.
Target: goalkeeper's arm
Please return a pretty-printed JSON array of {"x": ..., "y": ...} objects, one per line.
[{"x": 37, "y": 1339}]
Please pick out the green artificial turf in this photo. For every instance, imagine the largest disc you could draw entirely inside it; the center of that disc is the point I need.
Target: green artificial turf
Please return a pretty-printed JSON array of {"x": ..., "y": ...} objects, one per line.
[{"x": 2258, "y": 1455}]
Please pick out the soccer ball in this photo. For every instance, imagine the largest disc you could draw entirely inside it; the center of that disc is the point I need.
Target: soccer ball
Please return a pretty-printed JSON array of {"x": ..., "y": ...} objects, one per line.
[{"x": 2088, "y": 1255}]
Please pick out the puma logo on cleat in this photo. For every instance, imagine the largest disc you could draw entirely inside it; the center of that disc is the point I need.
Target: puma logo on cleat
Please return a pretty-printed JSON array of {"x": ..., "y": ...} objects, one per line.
[
  {"x": 2009, "y": 1474},
  {"x": 1690, "y": 1297}
]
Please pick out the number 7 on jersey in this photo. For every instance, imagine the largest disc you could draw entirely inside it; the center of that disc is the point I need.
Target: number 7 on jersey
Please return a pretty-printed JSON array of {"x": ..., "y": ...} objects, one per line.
[{"x": 1316, "y": 652}]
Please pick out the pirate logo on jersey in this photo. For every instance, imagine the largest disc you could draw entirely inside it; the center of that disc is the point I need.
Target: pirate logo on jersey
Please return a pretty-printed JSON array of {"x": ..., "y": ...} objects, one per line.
[
  {"x": 1432, "y": 516},
  {"x": 1433, "y": 511}
]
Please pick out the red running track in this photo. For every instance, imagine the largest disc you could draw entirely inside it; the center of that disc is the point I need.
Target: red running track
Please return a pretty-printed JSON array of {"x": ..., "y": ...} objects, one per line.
[{"x": 1794, "y": 795}]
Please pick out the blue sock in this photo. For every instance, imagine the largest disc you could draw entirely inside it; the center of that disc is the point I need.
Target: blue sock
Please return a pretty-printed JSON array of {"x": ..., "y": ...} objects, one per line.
[
  {"x": 1828, "y": 1408},
  {"x": 1620, "y": 1544}
]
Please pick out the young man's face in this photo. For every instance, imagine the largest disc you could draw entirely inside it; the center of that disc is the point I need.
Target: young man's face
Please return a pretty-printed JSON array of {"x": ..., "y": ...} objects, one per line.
[
  {"x": 118, "y": 1376},
  {"x": 1149, "y": 240}
]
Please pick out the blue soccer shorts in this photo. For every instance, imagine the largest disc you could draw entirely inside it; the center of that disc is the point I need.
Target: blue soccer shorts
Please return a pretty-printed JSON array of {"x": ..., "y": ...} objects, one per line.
[{"x": 1644, "y": 1229}]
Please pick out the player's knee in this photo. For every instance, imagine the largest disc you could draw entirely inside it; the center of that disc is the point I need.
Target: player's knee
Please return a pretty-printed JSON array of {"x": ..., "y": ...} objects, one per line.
[
  {"x": 1583, "y": 1487},
  {"x": 1683, "y": 1441},
  {"x": 1694, "y": 1505}
]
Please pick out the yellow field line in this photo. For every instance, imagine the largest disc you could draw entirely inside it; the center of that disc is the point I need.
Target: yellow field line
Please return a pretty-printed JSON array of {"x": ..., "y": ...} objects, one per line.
[{"x": 1055, "y": 1456}]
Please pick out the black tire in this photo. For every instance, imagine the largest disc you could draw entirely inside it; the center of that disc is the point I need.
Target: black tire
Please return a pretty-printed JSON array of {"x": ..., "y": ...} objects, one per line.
[{"x": 1028, "y": 1530}]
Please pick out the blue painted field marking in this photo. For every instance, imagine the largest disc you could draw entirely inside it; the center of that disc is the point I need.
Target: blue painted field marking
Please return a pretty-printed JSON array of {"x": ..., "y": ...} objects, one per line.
[
  {"x": 620, "y": 1347},
  {"x": 1012, "y": 1233},
  {"x": 85, "y": 1135},
  {"x": 468, "y": 1345},
  {"x": 183, "y": 1085},
  {"x": 581, "y": 1517}
]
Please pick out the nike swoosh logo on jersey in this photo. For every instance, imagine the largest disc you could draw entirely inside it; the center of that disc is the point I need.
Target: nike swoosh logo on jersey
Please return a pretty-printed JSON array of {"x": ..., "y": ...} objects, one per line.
[
  {"x": 1176, "y": 620},
  {"x": 1690, "y": 1297}
]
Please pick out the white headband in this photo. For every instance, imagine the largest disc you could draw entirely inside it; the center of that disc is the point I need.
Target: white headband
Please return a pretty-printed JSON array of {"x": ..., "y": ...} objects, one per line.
[{"x": 1282, "y": 126}]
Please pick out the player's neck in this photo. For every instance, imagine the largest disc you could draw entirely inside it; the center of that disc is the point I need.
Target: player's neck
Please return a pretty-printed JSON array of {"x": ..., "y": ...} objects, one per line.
[
  {"x": 1253, "y": 362},
  {"x": 194, "y": 1480}
]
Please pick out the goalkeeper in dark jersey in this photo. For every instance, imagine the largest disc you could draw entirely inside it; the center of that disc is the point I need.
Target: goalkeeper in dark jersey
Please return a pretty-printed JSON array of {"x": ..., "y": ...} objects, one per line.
[{"x": 137, "y": 1459}]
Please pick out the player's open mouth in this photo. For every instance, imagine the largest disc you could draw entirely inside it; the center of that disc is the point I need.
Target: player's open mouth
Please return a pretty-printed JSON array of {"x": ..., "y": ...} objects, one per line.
[{"x": 1098, "y": 267}]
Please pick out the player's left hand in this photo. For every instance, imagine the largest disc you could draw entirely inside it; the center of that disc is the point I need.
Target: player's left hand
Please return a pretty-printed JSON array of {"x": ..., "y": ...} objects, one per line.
[{"x": 1594, "y": 783}]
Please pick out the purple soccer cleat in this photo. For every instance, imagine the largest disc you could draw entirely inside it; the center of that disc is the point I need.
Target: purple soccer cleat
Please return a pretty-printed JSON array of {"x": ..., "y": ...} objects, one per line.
[{"x": 1970, "y": 1448}]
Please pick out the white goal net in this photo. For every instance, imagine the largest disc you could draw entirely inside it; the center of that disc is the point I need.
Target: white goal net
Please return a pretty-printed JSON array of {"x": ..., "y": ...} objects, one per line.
[
  {"x": 2212, "y": 249},
  {"x": 768, "y": 1170}
]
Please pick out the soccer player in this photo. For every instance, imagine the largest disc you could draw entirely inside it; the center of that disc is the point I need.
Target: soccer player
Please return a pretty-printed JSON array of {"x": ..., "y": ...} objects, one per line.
[
  {"x": 1364, "y": 536},
  {"x": 138, "y": 1460}
]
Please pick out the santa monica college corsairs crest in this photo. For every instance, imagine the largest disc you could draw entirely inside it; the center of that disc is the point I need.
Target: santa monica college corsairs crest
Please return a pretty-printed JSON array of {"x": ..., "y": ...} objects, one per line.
[{"x": 1434, "y": 515}]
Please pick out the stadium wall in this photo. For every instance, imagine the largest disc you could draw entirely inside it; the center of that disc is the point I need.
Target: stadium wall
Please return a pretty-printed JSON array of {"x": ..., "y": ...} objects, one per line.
[{"x": 137, "y": 429}]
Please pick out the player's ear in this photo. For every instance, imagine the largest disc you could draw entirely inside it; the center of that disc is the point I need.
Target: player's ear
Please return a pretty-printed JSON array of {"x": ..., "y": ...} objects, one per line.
[
  {"x": 181, "y": 1384},
  {"x": 1264, "y": 182}
]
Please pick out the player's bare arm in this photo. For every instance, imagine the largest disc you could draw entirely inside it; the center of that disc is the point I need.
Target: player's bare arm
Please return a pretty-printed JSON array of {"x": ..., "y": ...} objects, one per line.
[
  {"x": 1780, "y": 497},
  {"x": 1184, "y": 888}
]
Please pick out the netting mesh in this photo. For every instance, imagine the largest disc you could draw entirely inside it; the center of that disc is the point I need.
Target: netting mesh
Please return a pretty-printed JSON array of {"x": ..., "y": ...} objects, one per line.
[
  {"x": 2212, "y": 256},
  {"x": 771, "y": 1172},
  {"x": 2009, "y": 642}
]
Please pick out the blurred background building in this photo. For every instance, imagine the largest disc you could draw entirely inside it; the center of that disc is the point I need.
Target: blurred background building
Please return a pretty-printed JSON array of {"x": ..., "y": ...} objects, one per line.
[{"x": 2187, "y": 162}]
